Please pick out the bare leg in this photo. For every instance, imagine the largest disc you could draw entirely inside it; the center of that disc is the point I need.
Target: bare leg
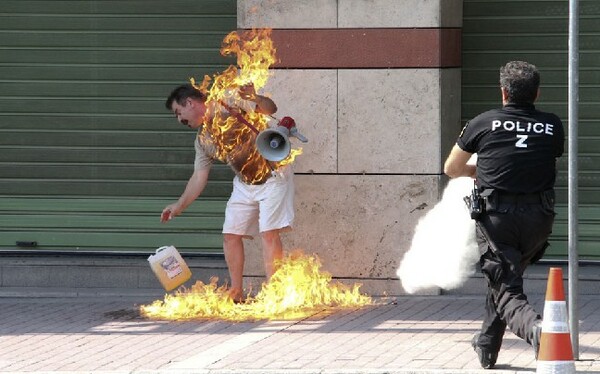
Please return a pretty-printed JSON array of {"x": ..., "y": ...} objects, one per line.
[
  {"x": 233, "y": 246},
  {"x": 272, "y": 251}
]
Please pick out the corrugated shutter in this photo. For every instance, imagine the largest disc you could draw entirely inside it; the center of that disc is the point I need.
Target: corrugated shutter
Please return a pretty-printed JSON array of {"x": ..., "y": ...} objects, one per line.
[
  {"x": 89, "y": 155},
  {"x": 495, "y": 32}
]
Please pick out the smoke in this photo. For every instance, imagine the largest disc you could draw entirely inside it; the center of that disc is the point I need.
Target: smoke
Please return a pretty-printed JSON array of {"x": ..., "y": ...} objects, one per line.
[{"x": 443, "y": 250}]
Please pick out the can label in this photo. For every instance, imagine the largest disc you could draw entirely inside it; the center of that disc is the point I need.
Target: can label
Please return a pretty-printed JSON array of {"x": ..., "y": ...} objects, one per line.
[{"x": 171, "y": 267}]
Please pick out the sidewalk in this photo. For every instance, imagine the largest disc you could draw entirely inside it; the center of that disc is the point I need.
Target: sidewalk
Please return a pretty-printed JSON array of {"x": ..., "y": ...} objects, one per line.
[{"x": 70, "y": 333}]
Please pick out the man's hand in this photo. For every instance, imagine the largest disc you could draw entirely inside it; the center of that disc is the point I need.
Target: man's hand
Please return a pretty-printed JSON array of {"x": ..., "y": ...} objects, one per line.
[
  {"x": 170, "y": 212},
  {"x": 248, "y": 92},
  {"x": 264, "y": 105}
]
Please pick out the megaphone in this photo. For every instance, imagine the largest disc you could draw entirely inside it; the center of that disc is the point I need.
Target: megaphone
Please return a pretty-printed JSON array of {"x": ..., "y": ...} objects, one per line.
[{"x": 274, "y": 144}]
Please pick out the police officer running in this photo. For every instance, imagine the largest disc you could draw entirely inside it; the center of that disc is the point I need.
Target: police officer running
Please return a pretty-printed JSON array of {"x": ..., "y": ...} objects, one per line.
[{"x": 516, "y": 149}]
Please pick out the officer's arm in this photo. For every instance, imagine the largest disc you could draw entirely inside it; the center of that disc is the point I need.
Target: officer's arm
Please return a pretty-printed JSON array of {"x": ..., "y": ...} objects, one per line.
[{"x": 456, "y": 164}]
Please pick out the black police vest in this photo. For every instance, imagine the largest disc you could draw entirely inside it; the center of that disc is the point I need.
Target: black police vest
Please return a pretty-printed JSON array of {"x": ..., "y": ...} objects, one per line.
[{"x": 516, "y": 148}]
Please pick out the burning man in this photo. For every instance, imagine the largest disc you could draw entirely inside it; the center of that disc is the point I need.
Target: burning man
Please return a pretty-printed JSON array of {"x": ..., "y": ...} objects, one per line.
[
  {"x": 260, "y": 202},
  {"x": 512, "y": 201}
]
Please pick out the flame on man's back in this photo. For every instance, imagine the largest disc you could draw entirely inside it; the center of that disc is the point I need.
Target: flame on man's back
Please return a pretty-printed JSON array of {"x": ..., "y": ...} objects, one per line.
[{"x": 443, "y": 250}]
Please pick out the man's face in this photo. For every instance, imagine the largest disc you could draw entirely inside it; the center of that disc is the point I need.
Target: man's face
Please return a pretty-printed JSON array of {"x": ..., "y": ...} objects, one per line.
[{"x": 190, "y": 113}]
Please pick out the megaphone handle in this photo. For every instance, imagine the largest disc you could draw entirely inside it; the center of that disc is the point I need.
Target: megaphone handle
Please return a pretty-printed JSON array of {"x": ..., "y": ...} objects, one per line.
[{"x": 294, "y": 132}]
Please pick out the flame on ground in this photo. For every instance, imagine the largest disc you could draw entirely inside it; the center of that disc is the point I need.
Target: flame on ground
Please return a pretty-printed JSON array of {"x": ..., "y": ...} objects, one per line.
[
  {"x": 297, "y": 289},
  {"x": 235, "y": 141}
]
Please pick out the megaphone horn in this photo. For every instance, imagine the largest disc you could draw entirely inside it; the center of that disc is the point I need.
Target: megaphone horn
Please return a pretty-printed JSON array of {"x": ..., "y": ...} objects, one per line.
[{"x": 274, "y": 144}]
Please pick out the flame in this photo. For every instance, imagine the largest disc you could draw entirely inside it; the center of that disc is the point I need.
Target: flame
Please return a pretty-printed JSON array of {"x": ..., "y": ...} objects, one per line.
[
  {"x": 234, "y": 140},
  {"x": 297, "y": 289}
]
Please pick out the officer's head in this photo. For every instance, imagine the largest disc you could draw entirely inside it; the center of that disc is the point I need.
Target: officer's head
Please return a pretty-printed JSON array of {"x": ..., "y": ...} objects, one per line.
[{"x": 520, "y": 82}]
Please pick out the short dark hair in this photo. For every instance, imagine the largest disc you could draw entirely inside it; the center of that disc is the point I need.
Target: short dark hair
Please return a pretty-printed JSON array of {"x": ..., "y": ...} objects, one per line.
[
  {"x": 521, "y": 81},
  {"x": 182, "y": 93}
]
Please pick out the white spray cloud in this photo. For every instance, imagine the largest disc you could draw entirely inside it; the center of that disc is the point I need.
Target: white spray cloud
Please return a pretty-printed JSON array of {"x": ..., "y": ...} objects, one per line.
[{"x": 443, "y": 250}]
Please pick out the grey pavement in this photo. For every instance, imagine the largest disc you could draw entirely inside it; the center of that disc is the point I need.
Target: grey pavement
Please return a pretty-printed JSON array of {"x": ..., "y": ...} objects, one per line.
[{"x": 73, "y": 332}]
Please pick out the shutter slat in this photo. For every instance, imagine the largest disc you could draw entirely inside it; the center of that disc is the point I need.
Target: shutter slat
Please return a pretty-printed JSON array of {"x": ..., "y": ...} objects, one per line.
[
  {"x": 497, "y": 31},
  {"x": 89, "y": 155}
]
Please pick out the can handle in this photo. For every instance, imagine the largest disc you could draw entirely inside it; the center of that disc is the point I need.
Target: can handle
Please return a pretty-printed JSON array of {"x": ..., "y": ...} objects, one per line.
[
  {"x": 159, "y": 250},
  {"x": 162, "y": 248}
]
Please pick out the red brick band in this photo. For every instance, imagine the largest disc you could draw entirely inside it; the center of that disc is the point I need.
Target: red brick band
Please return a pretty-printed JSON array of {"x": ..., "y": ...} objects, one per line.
[{"x": 367, "y": 48}]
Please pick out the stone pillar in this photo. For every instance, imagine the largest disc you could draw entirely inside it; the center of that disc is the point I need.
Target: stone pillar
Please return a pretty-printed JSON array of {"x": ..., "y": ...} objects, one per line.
[{"x": 375, "y": 86}]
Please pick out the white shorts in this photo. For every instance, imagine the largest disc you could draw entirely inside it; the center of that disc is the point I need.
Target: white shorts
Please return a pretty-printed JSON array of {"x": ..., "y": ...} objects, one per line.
[{"x": 258, "y": 208}]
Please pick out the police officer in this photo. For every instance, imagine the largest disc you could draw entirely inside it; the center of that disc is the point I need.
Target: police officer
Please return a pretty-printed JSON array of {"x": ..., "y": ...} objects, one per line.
[{"x": 516, "y": 149}]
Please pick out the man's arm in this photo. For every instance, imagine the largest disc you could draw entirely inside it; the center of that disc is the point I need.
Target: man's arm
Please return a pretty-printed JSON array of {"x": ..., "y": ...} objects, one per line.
[
  {"x": 264, "y": 104},
  {"x": 456, "y": 164},
  {"x": 193, "y": 189}
]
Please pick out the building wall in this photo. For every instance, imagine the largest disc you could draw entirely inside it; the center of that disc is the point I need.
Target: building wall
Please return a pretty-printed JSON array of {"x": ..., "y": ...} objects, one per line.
[{"x": 375, "y": 86}]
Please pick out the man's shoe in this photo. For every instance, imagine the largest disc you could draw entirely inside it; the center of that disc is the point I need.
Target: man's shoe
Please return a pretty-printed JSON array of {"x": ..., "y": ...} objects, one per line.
[
  {"x": 537, "y": 337},
  {"x": 487, "y": 359}
]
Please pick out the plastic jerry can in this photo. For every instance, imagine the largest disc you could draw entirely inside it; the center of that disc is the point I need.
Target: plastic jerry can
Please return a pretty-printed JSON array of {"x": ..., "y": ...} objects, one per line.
[{"x": 169, "y": 267}]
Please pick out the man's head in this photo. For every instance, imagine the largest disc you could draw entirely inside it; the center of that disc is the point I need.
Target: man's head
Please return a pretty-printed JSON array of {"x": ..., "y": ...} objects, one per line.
[
  {"x": 188, "y": 105},
  {"x": 519, "y": 82}
]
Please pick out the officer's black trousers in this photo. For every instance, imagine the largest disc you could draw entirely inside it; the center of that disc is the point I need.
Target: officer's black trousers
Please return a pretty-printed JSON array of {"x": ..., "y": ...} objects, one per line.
[{"x": 519, "y": 233}]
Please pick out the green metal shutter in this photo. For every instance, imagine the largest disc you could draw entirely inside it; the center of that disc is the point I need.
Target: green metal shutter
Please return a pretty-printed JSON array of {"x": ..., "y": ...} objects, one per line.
[
  {"x": 495, "y": 32},
  {"x": 89, "y": 155}
]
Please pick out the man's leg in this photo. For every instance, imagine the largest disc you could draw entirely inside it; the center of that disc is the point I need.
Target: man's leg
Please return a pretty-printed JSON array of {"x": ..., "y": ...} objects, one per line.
[
  {"x": 233, "y": 246},
  {"x": 511, "y": 301},
  {"x": 492, "y": 328},
  {"x": 512, "y": 231},
  {"x": 487, "y": 343},
  {"x": 272, "y": 251}
]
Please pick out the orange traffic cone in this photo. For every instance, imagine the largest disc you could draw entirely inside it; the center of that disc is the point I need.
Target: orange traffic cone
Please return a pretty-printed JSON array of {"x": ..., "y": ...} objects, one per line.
[{"x": 555, "y": 353}]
